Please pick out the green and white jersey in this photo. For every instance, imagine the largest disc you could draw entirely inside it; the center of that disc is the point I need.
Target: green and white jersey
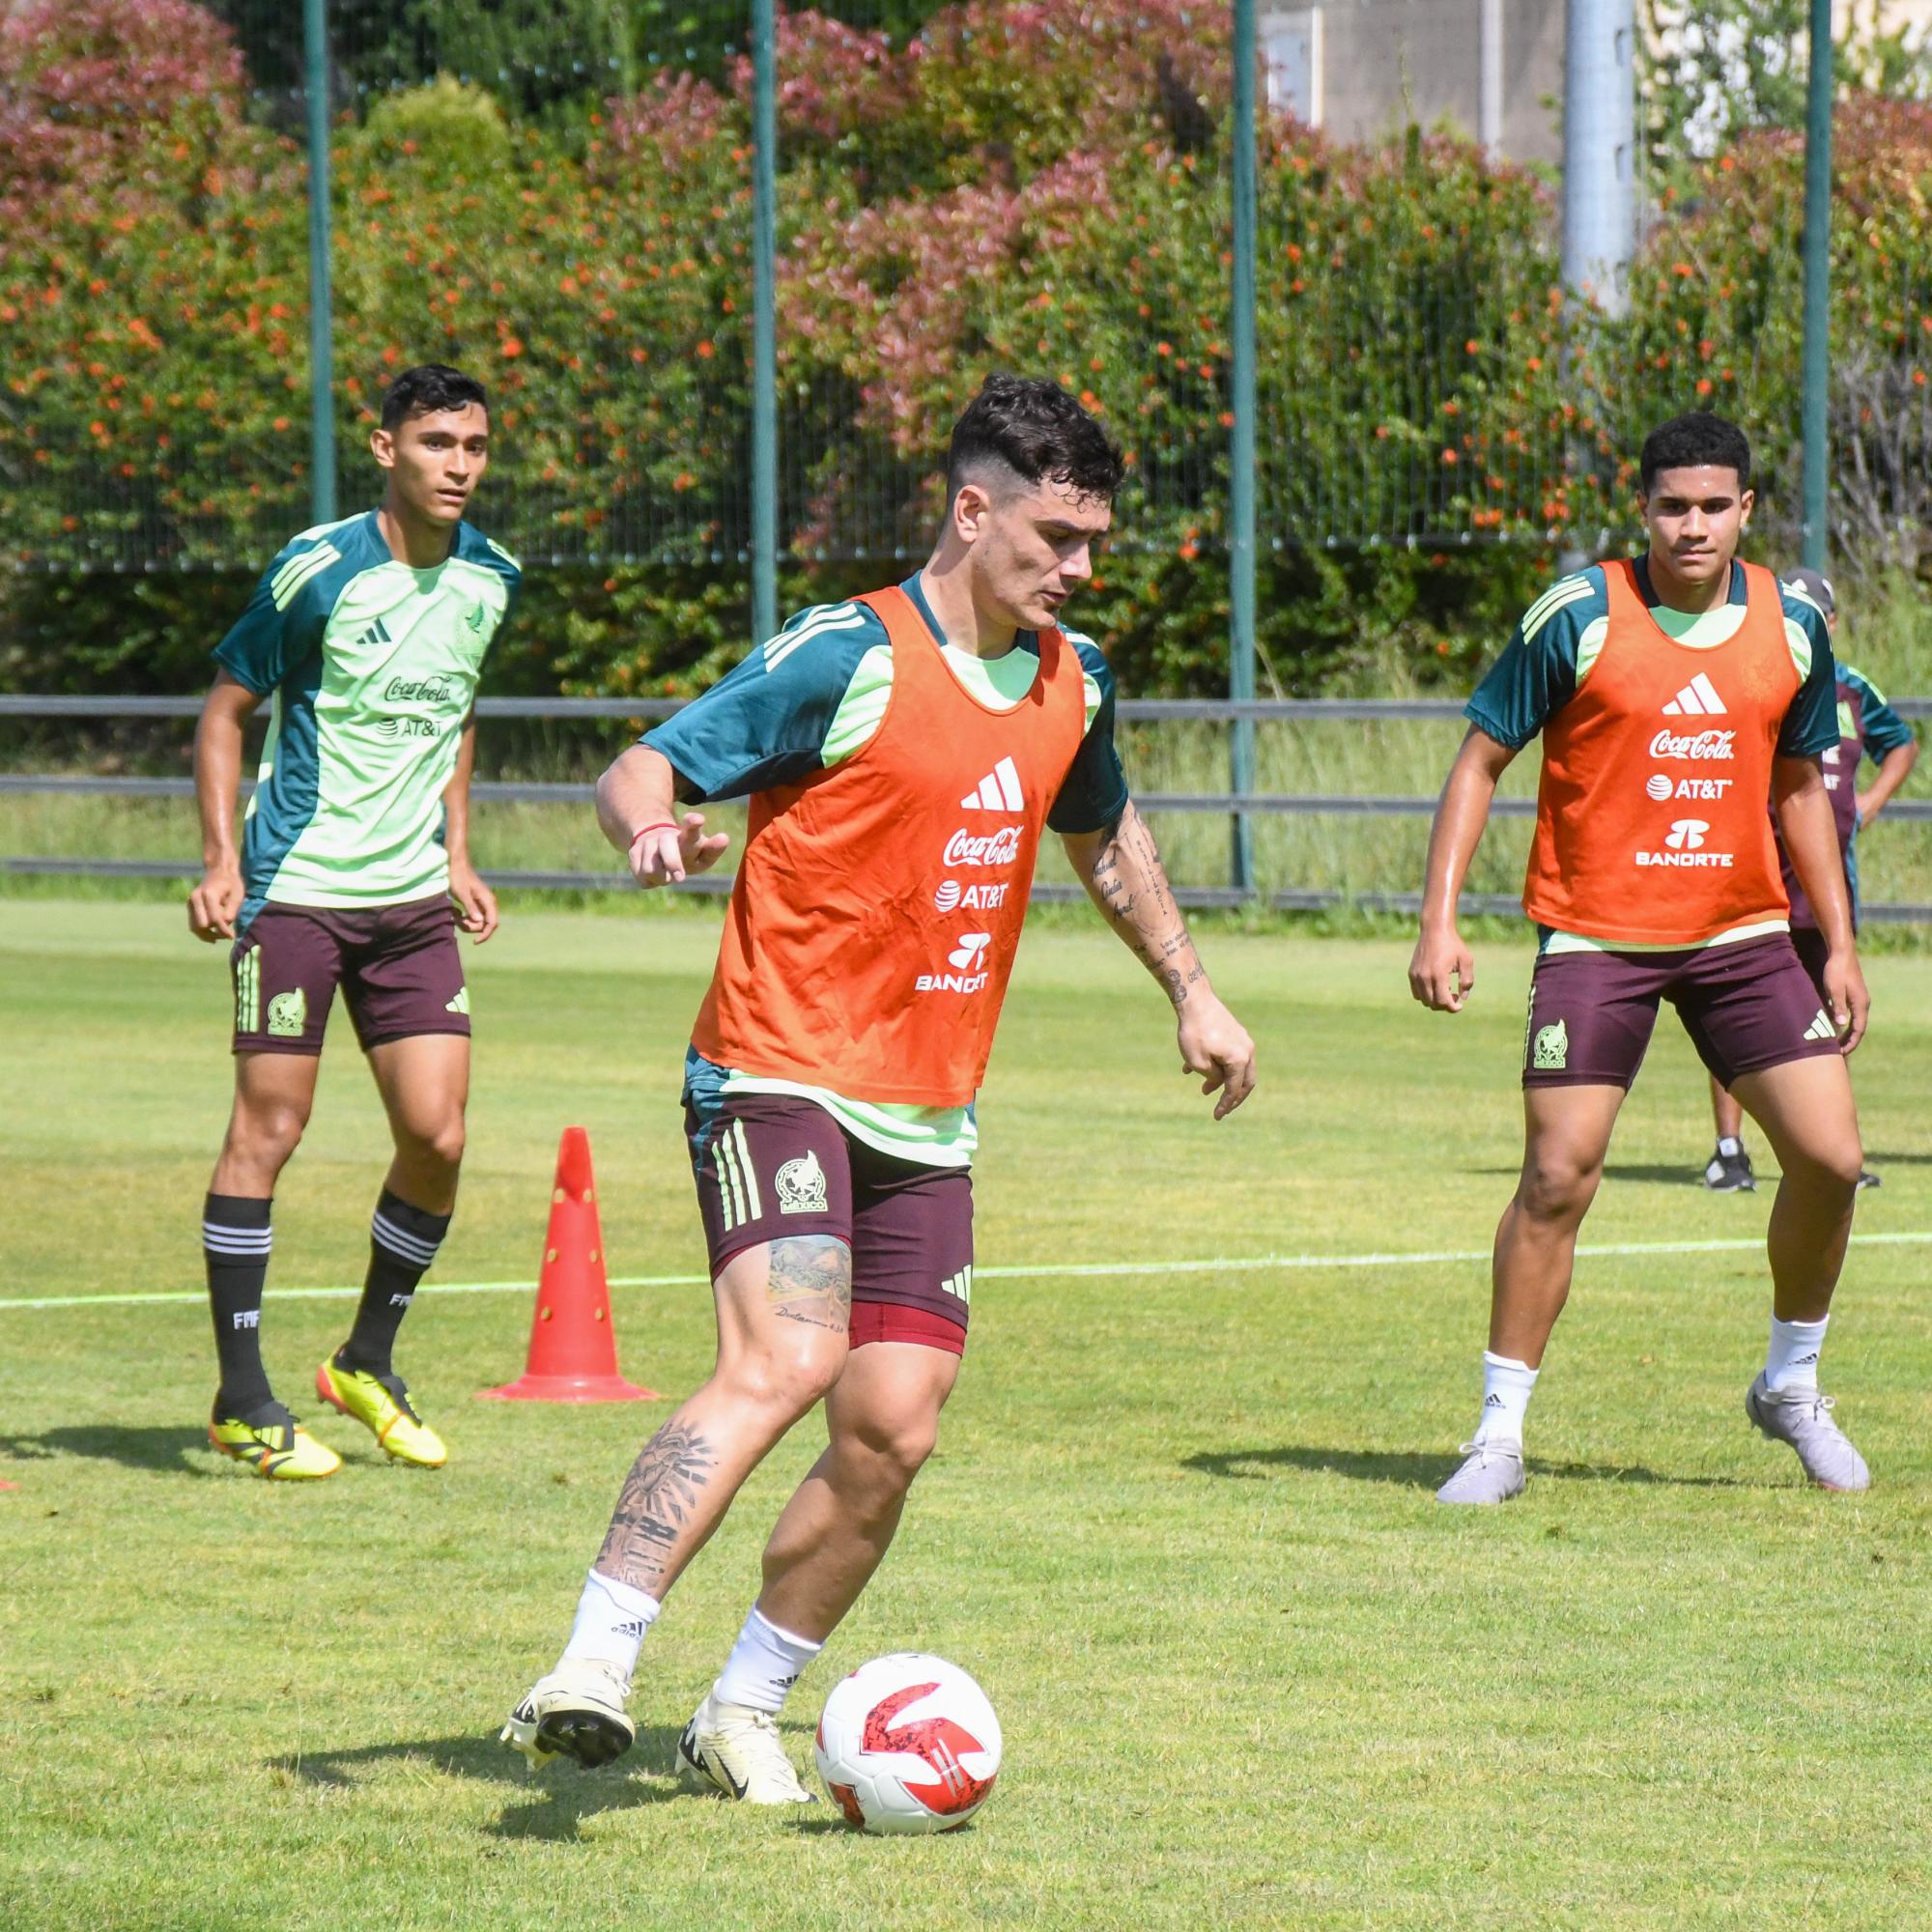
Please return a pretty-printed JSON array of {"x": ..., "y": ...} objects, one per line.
[{"x": 373, "y": 667}]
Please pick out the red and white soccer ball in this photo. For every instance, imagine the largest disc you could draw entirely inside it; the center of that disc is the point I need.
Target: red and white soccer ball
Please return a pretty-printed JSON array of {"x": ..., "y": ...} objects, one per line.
[{"x": 908, "y": 1744}]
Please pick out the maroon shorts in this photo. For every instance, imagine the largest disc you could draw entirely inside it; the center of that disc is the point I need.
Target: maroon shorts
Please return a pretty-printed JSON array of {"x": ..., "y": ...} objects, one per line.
[
  {"x": 1745, "y": 1006},
  {"x": 398, "y": 967},
  {"x": 773, "y": 1166},
  {"x": 1812, "y": 952}
]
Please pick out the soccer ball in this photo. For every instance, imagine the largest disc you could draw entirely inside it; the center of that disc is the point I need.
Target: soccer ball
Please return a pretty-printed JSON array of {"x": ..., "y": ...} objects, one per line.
[{"x": 908, "y": 1744}]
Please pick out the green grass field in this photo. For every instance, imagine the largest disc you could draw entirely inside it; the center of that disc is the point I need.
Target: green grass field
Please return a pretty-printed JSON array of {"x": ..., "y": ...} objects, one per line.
[{"x": 1180, "y": 1522}]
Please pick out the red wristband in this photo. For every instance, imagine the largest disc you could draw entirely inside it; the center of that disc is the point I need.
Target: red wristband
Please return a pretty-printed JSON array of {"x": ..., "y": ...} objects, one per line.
[{"x": 662, "y": 825}]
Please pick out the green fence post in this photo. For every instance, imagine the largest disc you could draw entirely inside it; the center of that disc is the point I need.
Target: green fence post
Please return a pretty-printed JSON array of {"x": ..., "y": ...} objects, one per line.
[
  {"x": 1241, "y": 454},
  {"x": 764, "y": 323},
  {"x": 321, "y": 306},
  {"x": 1817, "y": 283}
]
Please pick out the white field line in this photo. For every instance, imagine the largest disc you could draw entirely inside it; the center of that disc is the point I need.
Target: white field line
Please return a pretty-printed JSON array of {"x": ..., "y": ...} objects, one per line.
[{"x": 1057, "y": 1270}]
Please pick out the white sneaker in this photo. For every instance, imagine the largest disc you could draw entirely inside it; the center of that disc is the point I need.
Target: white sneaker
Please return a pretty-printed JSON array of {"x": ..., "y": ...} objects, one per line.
[
  {"x": 736, "y": 1751},
  {"x": 575, "y": 1712}
]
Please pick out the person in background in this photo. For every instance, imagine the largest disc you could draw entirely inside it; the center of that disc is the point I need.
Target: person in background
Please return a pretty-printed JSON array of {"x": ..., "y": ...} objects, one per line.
[{"x": 1868, "y": 727}]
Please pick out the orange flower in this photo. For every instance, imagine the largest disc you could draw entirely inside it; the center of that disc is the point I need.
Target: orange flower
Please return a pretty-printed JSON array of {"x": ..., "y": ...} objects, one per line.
[
  {"x": 705, "y": 351},
  {"x": 510, "y": 348}
]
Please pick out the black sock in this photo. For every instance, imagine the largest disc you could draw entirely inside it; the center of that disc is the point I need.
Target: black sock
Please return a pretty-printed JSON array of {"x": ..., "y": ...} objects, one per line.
[
  {"x": 402, "y": 1241},
  {"x": 235, "y": 1242}
]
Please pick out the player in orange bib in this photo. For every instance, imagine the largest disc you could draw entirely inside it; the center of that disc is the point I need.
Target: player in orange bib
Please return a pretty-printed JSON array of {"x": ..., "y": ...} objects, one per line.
[
  {"x": 903, "y": 754},
  {"x": 1674, "y": 693}
]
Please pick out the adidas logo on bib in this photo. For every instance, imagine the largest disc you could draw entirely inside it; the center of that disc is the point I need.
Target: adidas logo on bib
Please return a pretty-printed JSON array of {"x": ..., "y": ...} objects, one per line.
[
  {"x": 1697, "y": 699},
  {"x": 1000, "y": 791}
]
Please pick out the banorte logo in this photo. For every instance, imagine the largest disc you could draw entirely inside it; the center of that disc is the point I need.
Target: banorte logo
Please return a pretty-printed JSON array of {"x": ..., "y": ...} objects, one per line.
[
  {"x": 1695, "y": 746},
  {"x": 990, "y": 848}
]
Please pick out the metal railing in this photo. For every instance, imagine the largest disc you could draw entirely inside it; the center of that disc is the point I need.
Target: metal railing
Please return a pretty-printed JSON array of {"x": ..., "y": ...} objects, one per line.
[{"x": 1236, "y": 807}]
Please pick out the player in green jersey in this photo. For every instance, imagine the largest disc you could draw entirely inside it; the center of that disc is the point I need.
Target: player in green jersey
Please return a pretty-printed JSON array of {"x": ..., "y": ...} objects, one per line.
[{"x": 367, "y": 638}]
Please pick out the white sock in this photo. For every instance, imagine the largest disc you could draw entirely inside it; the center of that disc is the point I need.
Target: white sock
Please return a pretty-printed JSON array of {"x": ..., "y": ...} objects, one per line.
[
  {"x": 612, "y": 1619},
  {"x": 1729, "y": 1145},
  {"x": 1792, "y": 1360},
  {"x": 1507, "y": 1387},
  {"x": 764, "y": 1663}
]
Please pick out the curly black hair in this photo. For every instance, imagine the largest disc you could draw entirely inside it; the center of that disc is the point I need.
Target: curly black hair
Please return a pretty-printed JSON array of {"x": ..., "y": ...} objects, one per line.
[
  {"x": 1698, "y": 441},
  {"x": 1034, "y": 429}
]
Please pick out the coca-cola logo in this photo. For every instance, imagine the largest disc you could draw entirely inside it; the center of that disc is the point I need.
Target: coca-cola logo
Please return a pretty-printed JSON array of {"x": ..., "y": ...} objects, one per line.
[
  {"x": 992, "y": 848},
  {"x": 418, "y": 690},
  {"x": 1712, "y": 744}
]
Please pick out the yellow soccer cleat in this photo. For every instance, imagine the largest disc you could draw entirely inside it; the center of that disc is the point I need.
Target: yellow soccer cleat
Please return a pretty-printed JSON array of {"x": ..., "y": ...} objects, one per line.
[
  {"x": 282, "y": 1451},
  {"x": 380, "y": 1403}
]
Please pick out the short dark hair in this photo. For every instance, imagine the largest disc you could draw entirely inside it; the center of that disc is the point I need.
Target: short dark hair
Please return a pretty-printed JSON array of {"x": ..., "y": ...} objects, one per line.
[
  {"x": 1035, "y": 429},
  {"x": 428, "y": 387},
  {"x": 1695, "y": 441}
]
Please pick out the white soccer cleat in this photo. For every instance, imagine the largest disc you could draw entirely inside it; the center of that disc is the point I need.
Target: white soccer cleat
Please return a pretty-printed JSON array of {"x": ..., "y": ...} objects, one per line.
[
  {"x": 736, "y": 1751},
  {"x": 1492, "y": 1474},
  {"x": 577, "y": 1711},
  {"x": 1802, "y": 1418}
]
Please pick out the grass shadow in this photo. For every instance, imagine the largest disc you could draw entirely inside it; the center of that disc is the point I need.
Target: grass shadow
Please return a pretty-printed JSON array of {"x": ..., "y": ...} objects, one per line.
[
  {"x": 1882, "y": 1157},
  {"x": 1415, "y": 1470},
  {"x": 168, "y": 1450},
  {"x": 553, "y": 1803},
  {"x": 1667, "y": 1173}
]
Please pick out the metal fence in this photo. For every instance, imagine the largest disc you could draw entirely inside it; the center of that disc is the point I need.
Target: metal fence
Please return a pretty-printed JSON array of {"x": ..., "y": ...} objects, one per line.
[
  {"x": 729, "y": 267},
  {"x": 1239, "y": 809}
]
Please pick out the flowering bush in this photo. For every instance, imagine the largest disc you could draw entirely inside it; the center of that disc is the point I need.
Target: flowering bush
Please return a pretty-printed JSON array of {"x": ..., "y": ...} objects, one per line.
[
  {"x": 1039, "y": 186},
  {"x": 1717, "y": 321}
]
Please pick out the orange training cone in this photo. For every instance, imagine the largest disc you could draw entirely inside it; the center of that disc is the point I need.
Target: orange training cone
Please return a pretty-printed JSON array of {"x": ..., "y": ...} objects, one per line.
[{"x": 573, "y": 1350}]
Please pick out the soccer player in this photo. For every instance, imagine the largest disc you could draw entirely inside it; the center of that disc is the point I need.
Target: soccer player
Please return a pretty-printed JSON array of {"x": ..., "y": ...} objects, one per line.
[
  {"x": 1868, "y": 727},
  {"x": 903, "y": 754},
  {"x": 1675, "y": 693},
  {"x": 368, "y": 637}
]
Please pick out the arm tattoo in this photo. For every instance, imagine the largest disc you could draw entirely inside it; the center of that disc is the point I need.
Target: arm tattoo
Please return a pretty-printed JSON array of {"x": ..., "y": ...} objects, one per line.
[
  {"x": 810, "y": 1281},
  {"x": 655, "y": 1507},
  {"x": 1144, "y": 913}
]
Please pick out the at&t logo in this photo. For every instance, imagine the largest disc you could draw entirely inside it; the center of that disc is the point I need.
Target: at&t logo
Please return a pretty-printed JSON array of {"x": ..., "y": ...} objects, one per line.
[{"x": 949, "y": 895}]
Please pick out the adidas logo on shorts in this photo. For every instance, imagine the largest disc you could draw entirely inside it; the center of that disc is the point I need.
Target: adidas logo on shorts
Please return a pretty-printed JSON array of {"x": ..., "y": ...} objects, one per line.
[{"x": 1821, "y": 1028}]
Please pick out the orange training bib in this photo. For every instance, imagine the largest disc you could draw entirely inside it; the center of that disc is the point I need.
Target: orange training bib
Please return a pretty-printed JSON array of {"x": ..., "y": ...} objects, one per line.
[
  {"x": 1650, "y": 821},
  {"x": 876, "y": 913}
]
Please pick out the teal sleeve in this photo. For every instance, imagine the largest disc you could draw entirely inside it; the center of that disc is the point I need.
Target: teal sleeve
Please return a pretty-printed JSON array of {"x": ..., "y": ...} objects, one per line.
[
  {"x": 1885, "y": 729},
  {"x": 1536, "y": 675},
  {"x": 270, "y": 640},
  {"x": 1811, "y": 724},
  {"x": 764, "y": 723},
  {"x": 1095, "y": 791}
]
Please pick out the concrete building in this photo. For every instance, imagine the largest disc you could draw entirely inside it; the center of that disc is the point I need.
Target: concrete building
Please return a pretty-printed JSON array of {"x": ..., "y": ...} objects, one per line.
[{"x": 1365, "y": 69}]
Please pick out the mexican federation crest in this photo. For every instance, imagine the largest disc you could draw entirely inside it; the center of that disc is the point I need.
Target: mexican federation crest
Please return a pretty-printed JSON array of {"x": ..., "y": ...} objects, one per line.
[{"x": 802, "y": 1185}]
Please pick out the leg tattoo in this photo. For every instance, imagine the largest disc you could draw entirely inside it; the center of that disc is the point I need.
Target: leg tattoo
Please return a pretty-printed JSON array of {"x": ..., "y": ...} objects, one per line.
[
  {"x": 657, "y": 1501},
  {"x": 810, "y": 1281}
]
